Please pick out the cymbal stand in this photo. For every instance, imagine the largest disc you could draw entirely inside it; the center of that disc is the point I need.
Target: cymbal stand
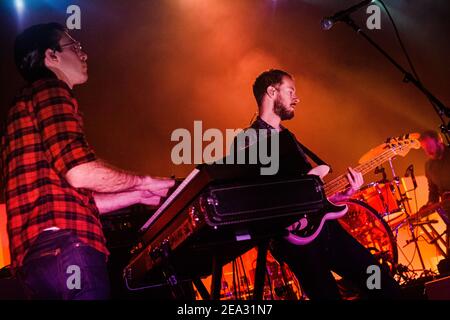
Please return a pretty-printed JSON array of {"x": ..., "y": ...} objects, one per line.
[
  {"x": 434, "y": 236},
  {"x": 405, "y": 207},
  {"x": 414, "y": 239},
  {"x": 404, "y": 200}
]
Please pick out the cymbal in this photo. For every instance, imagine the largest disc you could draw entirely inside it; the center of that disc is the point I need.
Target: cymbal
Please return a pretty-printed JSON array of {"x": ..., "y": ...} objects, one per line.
[{"x": 378, "y": 150}]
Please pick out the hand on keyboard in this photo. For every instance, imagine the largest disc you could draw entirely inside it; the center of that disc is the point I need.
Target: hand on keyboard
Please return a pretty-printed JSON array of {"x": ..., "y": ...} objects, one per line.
[
  {"x": 156, "y": 186},
  {"x": 150, "y": 199}
]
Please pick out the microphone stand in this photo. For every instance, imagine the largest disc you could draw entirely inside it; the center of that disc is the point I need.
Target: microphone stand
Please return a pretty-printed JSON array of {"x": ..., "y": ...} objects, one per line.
[{"x": 438, "y": 106}]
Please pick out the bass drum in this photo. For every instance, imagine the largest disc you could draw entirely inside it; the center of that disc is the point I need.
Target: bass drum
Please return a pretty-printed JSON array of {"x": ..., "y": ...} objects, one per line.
[{"x": 365, "y": 224}]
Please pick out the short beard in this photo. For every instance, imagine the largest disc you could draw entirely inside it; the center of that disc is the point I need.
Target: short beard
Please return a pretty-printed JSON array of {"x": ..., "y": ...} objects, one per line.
[{"x": 281, "y": 111}]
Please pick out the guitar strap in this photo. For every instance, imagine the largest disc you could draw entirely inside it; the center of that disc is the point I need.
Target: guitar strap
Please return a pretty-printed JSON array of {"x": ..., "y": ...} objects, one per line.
[
  {"x": 261, "y": 124},
  {"x": 313, "y": 156}
]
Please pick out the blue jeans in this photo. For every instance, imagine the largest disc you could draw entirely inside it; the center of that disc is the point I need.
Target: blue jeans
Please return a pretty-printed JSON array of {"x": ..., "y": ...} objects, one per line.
[{"x": 59, "y": 266}]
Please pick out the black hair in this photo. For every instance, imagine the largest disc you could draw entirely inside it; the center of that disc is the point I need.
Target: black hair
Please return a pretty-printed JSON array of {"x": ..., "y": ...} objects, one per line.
[
  {"x": 30, "y": 47},
  {"x": 266, "y": 79}
]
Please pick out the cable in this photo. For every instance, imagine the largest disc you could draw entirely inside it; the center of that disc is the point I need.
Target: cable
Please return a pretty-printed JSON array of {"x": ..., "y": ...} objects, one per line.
[
  {"x": 149, "y": 286},
  {"x": 415, "y": 200},
  {"x": 404, "y": 255},
  {"x": 300, "y": 290},
  {"x": 238, "y": 279},
  {"x": 405, "y": 52},
  {"x": 234, "y": 281},
  {"x": 435, "y": 106},
  {"x": 245, "y": 276},
  {"x": 269, "y": 280},
  {"x": 253, "y": 117}
]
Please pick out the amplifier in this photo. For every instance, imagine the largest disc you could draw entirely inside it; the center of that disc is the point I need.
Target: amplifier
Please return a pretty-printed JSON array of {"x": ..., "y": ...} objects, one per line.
[{"x": 438, "y": 289}]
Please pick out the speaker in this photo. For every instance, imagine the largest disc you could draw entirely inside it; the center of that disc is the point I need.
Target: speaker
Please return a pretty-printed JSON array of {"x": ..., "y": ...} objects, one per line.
[
  {"x": 438, "y": 289},
  {"x": 10, "y": 287}
]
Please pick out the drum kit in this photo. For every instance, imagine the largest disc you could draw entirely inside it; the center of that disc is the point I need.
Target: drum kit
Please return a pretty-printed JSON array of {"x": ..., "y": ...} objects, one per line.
[
  {"x": 238, "y": 279},
  {"x": 375, "y": 215},
  {"x": 378, "y": 211}
]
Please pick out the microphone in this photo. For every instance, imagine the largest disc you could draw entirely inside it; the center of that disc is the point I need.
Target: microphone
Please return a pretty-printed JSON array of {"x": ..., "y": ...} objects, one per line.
[
  {"x": 328, "y": 22},
  {"x": 410, "y": 172}
]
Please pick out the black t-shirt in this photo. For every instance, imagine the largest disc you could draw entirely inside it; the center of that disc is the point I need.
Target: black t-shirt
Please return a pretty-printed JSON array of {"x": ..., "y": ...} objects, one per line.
[{"x": 292, "y": 157}]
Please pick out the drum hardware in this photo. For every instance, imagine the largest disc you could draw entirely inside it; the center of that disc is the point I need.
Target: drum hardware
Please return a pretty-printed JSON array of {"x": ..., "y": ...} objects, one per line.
[
  {"x": 385, "y": 196},
  {"x": 401, "y": 201},
  {"x": 281, "y": 284},
  {"x": 381, "y": 196},
  {"x": 380, "y": 169},
  {"x": 369, "y": 228},
  {"x": 440, "y": 208},
  {"x": 421, "y": 223},
  {"x": 389, "y": 198},
  {"x": 241, "y": 288},
  {"x": 366, "y": 225},
  {"x": 412, "y": 224},
  {"x": 415, "y": 240},
  {"x": 434, "y": 237},
  {"x": 409, "y": 218},
  {"x": 237, "y": 281},
  {"x": 404, "y": 275}
]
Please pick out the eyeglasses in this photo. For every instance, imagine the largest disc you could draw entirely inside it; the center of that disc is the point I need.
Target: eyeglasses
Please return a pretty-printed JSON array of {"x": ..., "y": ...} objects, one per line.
[{"x": 76, "y": 46}]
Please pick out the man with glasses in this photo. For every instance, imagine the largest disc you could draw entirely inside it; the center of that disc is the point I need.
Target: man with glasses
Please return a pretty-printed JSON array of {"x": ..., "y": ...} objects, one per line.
[{"x": 55, "y": 186}]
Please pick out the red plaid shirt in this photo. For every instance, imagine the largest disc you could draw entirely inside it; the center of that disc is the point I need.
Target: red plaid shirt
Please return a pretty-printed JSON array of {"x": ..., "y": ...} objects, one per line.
[{"x": 43, "y": 139}]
